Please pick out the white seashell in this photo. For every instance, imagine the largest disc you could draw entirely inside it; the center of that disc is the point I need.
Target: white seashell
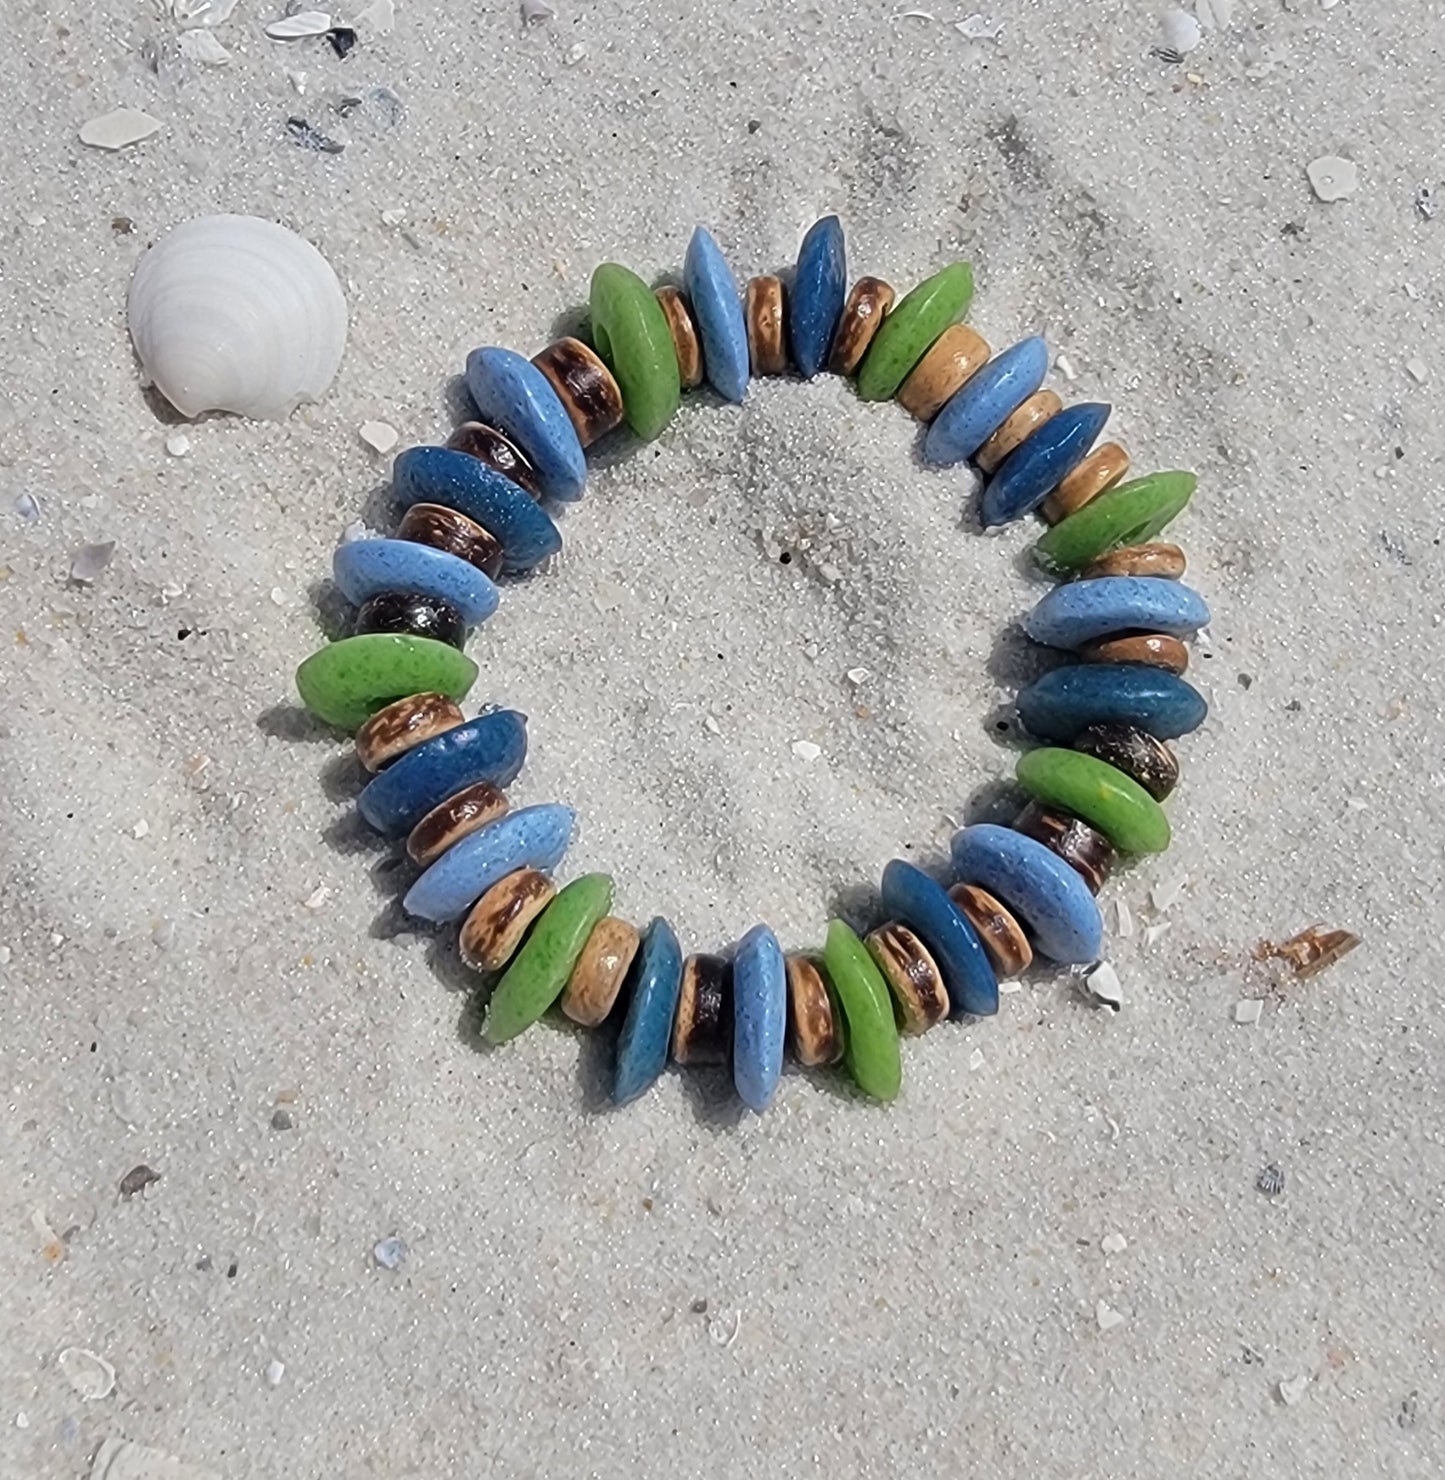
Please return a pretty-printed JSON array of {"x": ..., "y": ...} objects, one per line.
[
  {"x": 118, "y": 129},
  {"x": 232, "y": 313}
]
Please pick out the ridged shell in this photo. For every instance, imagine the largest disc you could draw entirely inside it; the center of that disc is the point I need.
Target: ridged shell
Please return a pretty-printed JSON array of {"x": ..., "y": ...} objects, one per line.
[{"x": 233, "y": 313}]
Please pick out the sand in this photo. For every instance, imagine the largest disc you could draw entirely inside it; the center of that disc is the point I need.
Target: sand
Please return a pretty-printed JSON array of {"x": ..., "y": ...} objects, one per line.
[{"x": 681, "y": 1288}]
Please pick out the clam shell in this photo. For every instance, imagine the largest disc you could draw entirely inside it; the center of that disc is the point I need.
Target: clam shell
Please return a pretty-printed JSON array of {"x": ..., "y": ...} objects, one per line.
[{"x": 233, "y": 313}]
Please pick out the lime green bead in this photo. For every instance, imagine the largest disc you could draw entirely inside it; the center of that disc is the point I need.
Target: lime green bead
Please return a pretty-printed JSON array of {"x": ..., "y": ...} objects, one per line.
[
  {"x": 348, "y": 681},
  {"x": 872, "y": 1036},
  {"x": 539, "y": 972},
  {"x": 1105, "y": 798},
  {"x": 630, "y": 332},
  {"x": 907, "y": 333},
  {"x": 1129, "y": 514}
]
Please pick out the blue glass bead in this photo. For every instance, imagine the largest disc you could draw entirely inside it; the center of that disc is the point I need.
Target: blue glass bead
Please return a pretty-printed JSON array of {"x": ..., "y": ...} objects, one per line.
[
  {"x": 647, "y": 1030},
  {"x": 985, "y": 401},
  {"x": 760, "y": 1016},
  {"x": 1050, "y": 899},
  {"x": 531, "y": 837},
  {"x": 490, "y": 747},
  {"x": 1032, "y": 471},
  {"x": 438, "y": 475},
  {"x": 1071, "y": 615},
  {"x": 1061, "y": 703},
  {"x": 815, "y": 303},
  {"x": 910, "y": 896},
  {"x": 366, "y": 568},
  {"x": 514, "y": 396},
  {"x": 718, "y": 311}
]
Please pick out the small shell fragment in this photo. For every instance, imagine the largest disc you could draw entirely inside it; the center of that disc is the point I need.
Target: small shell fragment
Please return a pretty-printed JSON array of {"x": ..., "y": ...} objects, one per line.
[
  {"x": 805, "y": 750},
  {"x": 87, "y": 1372},
  {"x": 118, "y": 129},
  {"x": 1332, "y": 178},
  {"x": 296, "y": 27},
  {"x": 202, "y": 48},
  {"x": 1107, "y": 1317},
  {"x": 90, "y": 562},
  {"x": 1179, "y": 33},
  {"x": 275, "y": 1371},
  {"x": 1248, "y": 1011},
  {"x": 380, "y": 436},
  {"x": 389, "y": 1252},
  {"x": 536, "y": 12},
  {"x": 1311, "y": 950},
  {"x": 1103, "y": 986},
  {"x": 202, "y": 12},
  {"x": 1113, "y": 1243},
  {"x": 1292, "y": 1389}
]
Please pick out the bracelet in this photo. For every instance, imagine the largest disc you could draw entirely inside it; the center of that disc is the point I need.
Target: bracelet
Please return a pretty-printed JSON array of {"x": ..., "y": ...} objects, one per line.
[{"x": 475, "y": 511}]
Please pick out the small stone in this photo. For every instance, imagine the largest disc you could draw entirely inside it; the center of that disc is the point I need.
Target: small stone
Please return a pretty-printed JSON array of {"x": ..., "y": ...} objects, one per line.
[
  {"x": 389, "y": 1252},
  {"x": 282, "y": 1120},
  {"x": 699, "y": 1307},
  {"x": 137, "y": 1180},
  {"x": 858, "y": 676},
  {"x": 378, "y": 435},
  {"x": 275, "y": 1371},
  {"x": 1333, "y": 178},
  {"x": 1107, "y": 1317},
  {"x": 1292, "y": 1389},
  {"x": 1248, "y": 1011},
  {"x": 141, "y": 829},
  {"x": 805, "y": 750},
  {"x": 1425, "y": 202},
  {"x": 342, "y": 39},
  {"x": 90, "y": 562},
  {"x": 1103, "y": 986},
  {"x": 178, "y": 444},
  {"x": 27, "y": 507},
  {"x": 1113, "y": 1243},
  {"x": 1417, "y": 370},
  {"x": 278, "y": 596},
  {"x": 118, "y": 129}
]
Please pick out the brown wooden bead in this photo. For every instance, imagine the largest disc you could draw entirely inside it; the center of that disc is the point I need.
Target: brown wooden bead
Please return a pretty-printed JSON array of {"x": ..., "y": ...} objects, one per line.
[
  {"x": 702, "y": 1032},
  {"x": 466, "y": 812},
  {"x": 919, "y": 995},
  {"x": 1164, "y": 562},
  {"x": 502, "y": 916},
  {"x": 869, "y": 301},
  {"x": 1136, "y": 753},
  {"x": 685, "y": 339},
  {"x": 393, "y": 731},
  {"x": 1087, "y": 851},
  {"x": 445, "y": 529},
  {"x": 584, "y": 385},
  {"x": 814, "y": 1031},
  {"x": 763, "y": 312},
  {"x": 600, "y": 971},
  {"x": 954, "y": 357},
  {"x": 1025, "y": 419},
  {"x": 1157, "y": 649},
  {"x": 488, "y": 445},
  {"x": 1102, "y": 469},
  {"x": 1002, "y": 935}
]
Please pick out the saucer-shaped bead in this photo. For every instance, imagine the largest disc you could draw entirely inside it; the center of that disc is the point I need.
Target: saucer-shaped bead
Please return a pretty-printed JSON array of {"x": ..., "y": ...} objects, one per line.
[
  {"x": 346, "y": 682},
  {"x": 1066, "y": 700},
  {"x": 760, "y": 1017},
  {"x": 366, "y": 568},
  {"x": 871, "y": 1033},
  {"x": 921, "y": 315},
  {"x": 511, "y": 393},
  {"x": 987, "y": 400},
  {"x": 651, "y": 1008},
  {"x": 1127, "y": 514},
  {"x": 630, "y": 331},
  {"x": 718, "y": 310},
  {"x": 1083, "y": 611},
  {"x": 1106, "y": 799},
  {"x": 1035, "y": 467},
  {"x": 923, "y": 905},
  {"x": 820, "y": 283}
]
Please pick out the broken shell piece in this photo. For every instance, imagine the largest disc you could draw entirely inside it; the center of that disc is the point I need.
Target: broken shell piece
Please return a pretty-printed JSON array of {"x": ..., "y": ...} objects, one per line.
[
  {"x": 296, "y": 27},
  {"x": 202, "y": 12},
  {"x": 1179, "y": 33},
  {"x": 1107, "y": 1317},
  {"x": 1103, "y": 986},
  {"x": 1332, "y": 178},
  {"x": 1292, "y": 1389},
  {"x": 88, "y": 1373},
  {"x": 118, "y": 129},
  {"x": 90, "y": 562},
  {"x": 536, "y": 12},
  {"x": 1248, "y": 1011},
  {"x": 380, "y": 436},
  {"x": 202, "y": 48},
  {"x": 1113, "y": 1243},
  {"x": 1311, "y": 950}
]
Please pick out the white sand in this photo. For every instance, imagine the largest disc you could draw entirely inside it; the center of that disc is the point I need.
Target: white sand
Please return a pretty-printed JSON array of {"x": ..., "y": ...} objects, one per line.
[{"x": 916, "y": 1291}]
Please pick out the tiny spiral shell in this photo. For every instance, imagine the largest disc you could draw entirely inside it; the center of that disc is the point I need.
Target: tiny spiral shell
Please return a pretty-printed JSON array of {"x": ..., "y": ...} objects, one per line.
[{"x": 233, "y": 313}]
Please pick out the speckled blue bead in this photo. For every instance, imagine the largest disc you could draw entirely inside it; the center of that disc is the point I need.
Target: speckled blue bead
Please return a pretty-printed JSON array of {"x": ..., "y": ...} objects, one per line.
[
  {"x": 490, "y": 747},
  {"x": 718, "y": 312},
  {"x": 911, "y": 897},
  {"x": 1071, "y": 615},
  {"x": 1049, "y": 898},
  {"x": 531, "y": 837},
  {"x": 1061, "y": 703},
  {"x": 438, "y": 475},
  {"x": 985, "y": 401},
  {"x": 366, "y": 568},
  {"x": 760, "y": 1016},
  {"x": 1032, "y": 471},
  {"x": 514, "y": 396},
  {"x": 820, "y": 288},
  {"x": 647, "y": 1030}
]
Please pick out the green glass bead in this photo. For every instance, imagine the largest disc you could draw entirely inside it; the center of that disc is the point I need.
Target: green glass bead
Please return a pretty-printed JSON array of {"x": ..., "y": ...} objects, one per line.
[
  {"x": 1106, "y": 799},
  {"x": 1129, "y": 514},
  {"x": 348, "y": 681},
  {"x": 630, "y": 332},
  {"x": 539, "y": 971},
  {"x": 872, "y": 1037},
  {"x": 906, "y": 334}
]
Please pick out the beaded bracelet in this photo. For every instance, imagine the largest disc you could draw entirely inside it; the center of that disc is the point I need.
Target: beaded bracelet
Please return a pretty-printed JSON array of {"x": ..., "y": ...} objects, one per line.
[{"x": 475, "y": 510}]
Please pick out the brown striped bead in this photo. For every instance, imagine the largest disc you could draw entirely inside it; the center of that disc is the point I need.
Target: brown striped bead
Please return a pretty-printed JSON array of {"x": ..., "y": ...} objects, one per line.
[
  {"x": 502, "y": 916},
  {"x": 814, "y": 1031},
  {"x": 1164, "y": 562},
  {"x": 686, "y": 342},
  {"x": 954, "y": 357},
  {"x": 585, "y": 386},
  {"x": 1136, "y": 753},
  {"x": 1086, "y": 850},
  {"x": 702, "y": 1032},
  {"x": 919, "y": 995},
  {"x": 1102, "y": 469},
  {"x": 393, "y": 731},
  {"x": 445, "y": 529},
  {"x": 763, "y": 312},
  {"x": 600, "y": 970},
  {"x": 1157, "y": 649},
  {"x": 869, "y": 301},
  {"x": 1025, "y": 419},
  {"x": 1002, "y": 936},
  {"x": 489, "y": 446},
  {"x": 463, "y": 813}
]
